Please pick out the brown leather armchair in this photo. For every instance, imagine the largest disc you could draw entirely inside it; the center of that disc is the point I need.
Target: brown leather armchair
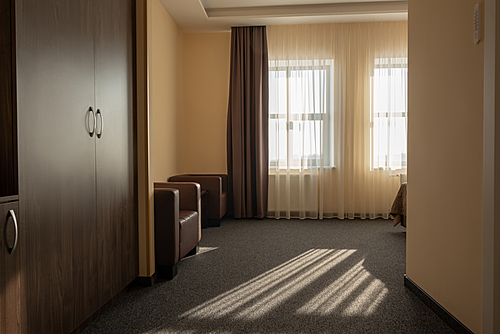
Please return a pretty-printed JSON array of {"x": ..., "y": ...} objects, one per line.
[
  {"x": 216, "y": 184},
  {"x": 177, "y": 212}
]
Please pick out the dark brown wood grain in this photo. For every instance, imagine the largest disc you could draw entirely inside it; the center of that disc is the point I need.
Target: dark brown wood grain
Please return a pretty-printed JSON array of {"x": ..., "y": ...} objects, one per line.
[
  {"x": 10, "y": 274},
  {"x": 115, "y": 167},
  {"x": 10, "y": 264},
  {"x": 56, "y": 160},
  {"x": 8, "y": 122}
]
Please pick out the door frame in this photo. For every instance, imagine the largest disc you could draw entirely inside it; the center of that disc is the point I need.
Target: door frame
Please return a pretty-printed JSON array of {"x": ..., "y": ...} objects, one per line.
[{"x": 491, "y": 169}]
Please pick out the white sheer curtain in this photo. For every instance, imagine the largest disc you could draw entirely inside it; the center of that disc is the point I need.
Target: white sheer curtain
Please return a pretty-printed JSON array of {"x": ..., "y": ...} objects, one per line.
[{"x": 337, "y": 127}]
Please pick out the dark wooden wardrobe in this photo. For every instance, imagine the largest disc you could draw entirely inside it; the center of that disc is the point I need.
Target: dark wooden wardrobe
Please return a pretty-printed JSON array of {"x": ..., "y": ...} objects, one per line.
[{"x": 76, "y": 156}]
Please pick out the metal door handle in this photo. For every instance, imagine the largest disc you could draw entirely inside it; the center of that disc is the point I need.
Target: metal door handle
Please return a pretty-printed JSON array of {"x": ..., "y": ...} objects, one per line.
[
  {"x": 101, "y": 123},
  {"x": 91, "y": 122},
  {"x": 13, "y": 215}
]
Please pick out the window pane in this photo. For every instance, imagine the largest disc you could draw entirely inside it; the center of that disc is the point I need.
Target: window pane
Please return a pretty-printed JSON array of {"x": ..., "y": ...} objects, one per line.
[
  {"x": 277, "y": 142},
  {"x": 277, "y": 89},
  {"x": 390, "y": 90},
  {"x": 308, "y": 91},
  {"x": 389, "y": 113},
  {"x": 298, "y": 104},
  {"x": 312, "y": 151}
]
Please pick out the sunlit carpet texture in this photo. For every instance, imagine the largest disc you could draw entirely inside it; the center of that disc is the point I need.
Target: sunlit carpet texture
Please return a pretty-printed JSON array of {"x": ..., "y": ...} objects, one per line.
[{"x": 282, "y": 276}]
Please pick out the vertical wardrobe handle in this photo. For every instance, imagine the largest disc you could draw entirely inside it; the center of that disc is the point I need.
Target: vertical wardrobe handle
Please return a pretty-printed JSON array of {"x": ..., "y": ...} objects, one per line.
[
  {"x": 91, "y": 121},
  {"x": 13, "y": 215},
  {"x": 101, "y": 123}
]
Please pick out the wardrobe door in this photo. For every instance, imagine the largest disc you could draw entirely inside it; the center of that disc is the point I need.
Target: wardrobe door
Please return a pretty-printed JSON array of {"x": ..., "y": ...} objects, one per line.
[
  {"x": 55, "y": 76},
  {"x": 115, "y": 168}
]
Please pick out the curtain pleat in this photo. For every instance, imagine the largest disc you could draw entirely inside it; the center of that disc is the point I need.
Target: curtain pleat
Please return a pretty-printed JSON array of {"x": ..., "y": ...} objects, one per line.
[
  {"x": 247, "y": 123},
  {"x": 345, "y": 163}
]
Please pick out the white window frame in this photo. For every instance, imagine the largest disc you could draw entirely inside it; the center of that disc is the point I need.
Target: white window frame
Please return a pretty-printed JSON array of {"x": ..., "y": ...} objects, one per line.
[{"x": 326, "y": 118}]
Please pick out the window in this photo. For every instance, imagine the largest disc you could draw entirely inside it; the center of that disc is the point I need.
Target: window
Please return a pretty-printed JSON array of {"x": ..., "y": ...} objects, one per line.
[
  {"x": 389, "y": 110},
  {"x": 300, "y": 114}
]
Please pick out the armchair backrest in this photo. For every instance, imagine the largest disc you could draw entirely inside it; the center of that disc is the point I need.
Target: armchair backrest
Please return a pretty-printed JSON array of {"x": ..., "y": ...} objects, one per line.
[
  {"x": 189, "y": 194},
  {"x": 216, "y": 184}
]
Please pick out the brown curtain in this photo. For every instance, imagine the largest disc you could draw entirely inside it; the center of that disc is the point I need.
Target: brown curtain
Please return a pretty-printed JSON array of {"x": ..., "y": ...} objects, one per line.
[{"x": 247, "y": 123}]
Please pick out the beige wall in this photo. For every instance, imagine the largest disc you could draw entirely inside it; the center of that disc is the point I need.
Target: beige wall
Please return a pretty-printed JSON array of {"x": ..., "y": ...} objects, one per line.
[
  {"x": 444, "y": 235},
  {"x": 165, "y": 95},
  {"x": 159, "y": 75},
  {"x": 206, "y": 90},
  {"x": 191, "y": 69}
]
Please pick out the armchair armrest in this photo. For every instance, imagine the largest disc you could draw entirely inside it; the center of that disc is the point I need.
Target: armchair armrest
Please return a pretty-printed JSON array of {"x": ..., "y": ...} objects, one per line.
[{"x": 166, "y": 210}]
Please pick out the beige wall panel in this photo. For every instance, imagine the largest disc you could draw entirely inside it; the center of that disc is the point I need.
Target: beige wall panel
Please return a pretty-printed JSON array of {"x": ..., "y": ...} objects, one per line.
[
  {"x": 206, "y": 90},
  {"x": 444, "y": 234},
  {"x": 165, "y": 93}
]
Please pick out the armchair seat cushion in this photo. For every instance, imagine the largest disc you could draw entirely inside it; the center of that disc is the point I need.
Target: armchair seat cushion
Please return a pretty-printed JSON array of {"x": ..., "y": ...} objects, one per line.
[{"x": 186, "y": 215}]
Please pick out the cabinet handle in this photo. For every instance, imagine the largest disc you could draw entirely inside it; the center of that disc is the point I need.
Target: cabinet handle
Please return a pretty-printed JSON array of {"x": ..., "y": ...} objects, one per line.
[
  {"x": 101, "y": 123},
  {"x": 91, "y": 122},
  {"x": 13, "y": 215}
]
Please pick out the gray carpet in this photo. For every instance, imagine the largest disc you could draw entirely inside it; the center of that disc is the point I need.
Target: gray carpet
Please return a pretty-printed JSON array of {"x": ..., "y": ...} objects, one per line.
[{"x": 279, "y": 276}]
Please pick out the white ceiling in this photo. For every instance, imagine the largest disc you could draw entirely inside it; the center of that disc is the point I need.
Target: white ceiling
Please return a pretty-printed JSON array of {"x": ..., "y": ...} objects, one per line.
[{"x": 194, "y": 16}]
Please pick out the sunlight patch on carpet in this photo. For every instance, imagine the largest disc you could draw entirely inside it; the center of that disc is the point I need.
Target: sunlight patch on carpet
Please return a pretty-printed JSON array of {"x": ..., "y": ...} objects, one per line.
[
  {"x": 259, "y": 296},
  {"x": 202, "y": 250},
  {"x": 347, "y": 287}
]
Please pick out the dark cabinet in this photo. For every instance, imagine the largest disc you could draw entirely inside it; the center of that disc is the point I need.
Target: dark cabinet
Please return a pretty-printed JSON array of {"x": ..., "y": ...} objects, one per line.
[{"x": 76, "y": 158}]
